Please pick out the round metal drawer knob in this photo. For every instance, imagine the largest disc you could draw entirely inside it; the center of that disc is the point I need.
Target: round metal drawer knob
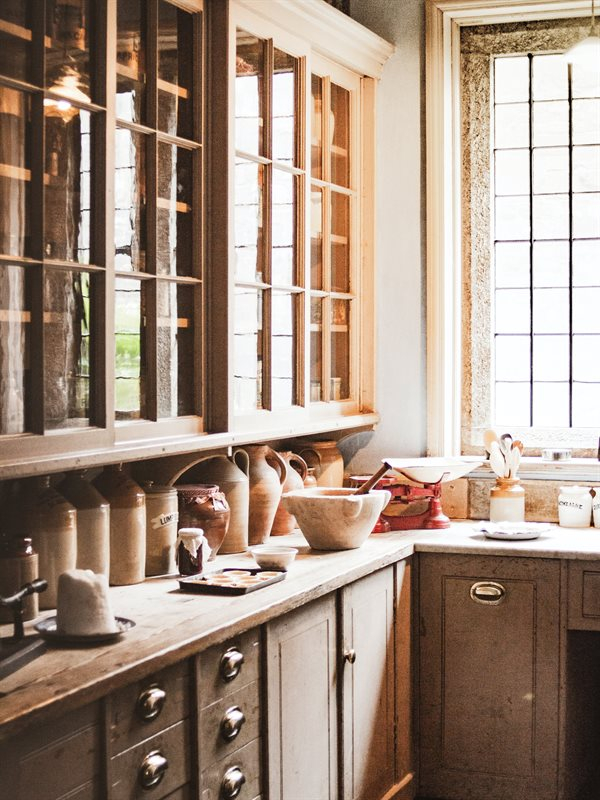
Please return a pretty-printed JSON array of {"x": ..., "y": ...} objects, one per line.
[
  {"x": 232, "y": 722},
  {"x": 231, "y": 664},
  {"x": 152, "y": 769},
  {"x": 350, "y": 656},
  {"x": 232, "y": 783},
  {"x": 150, "y": 703}
]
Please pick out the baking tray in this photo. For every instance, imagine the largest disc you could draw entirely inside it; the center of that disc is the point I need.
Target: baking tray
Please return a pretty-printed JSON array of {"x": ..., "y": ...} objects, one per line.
[{"x": 198, "y": 584}]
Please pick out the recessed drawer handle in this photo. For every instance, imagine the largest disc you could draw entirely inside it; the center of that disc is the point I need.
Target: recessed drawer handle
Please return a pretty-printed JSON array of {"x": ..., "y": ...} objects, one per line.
[
  {"x": 231, "y": 664},
  {"x": 232, "y": 783},
  {"x": 153, "y": 769},
  {"x": 488, "y": 592},
  {"x": 150, "y": 703},
  {"x": 232, "y": 722}
]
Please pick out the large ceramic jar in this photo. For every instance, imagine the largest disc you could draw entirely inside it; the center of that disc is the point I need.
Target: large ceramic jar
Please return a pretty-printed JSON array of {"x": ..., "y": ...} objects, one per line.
[
  {"x": 326, "y": 460},
  {"x": 93, "y": 522},
  {"x": 127, "y": 525},
  {"x": 296, "y": 472},
  {"x": 267, "y": 475},
  {"x": 52, "y": 525},
  {"x": 203, "y": 505},
  {"x": 161, "y": 529}
]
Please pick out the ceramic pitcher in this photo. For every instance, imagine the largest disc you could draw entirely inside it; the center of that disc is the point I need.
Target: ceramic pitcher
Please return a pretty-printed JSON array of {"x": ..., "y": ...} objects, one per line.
[
  {"x": 296, "y": 472},
  {"x": 267, "y": 473},
  {"x": 327, "y": 461}
]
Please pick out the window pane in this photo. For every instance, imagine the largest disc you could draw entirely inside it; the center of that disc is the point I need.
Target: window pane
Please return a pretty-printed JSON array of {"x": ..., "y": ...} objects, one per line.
[
  {"x": 512, "y": 358},
  {"x": 512, "y": 172},
  {"x": 512, "y": 404},
  {"x": 340, "y": 350},
  {"x": 551, "y": 310},
  {"x": 511, "y": 79},
  {"x": 340, "y": 242},
  {"x": 586, "y": 358},
  {"x": 175, "y": 349},
  {"x": 284, "y": 228},
  {"x": 586, "y": 82},
  {"x": 551, "y": 404},
  {"x": 131, "y": 61},
  {"x": 512, "y": 218},
  {"x": 586, "y": 308},
  {"x": 248, "y": 229},
  {"x": 586, "y": 121},
  {"x": 549, "y": 77},
  {"x": 248, "y": 349},
  {"x": 15, "y": 39},
  {"x": 512, "y": 264},
  {"x": 316, "y": 349},
  {"x": 130, "y": 200},
  {"x": 67, "y": 347},
  {"x": 249, "y": 85},
  {"x": 175, "y": 70},
  {"x": 586, "y": 404},
  {"x": 283, "y": 347},
  {"x": 551, "y": 170},
  {"x": 129, "y": 349},
  {"x": 15, "y": 173},
  {"x": 316, "y": 123},
  {"x": 550, "y": 264},
  {"x": 68, "y": 190},
  {"x": 340, "y": 135},
  {"x": 15, "y": 348},
  {"x": 551, "y": 358},
  {"x": 68, "y": 48},
  {"x": 550, "y": 124},
  {"x": 316, "y": 237},
  {"x": 511, "y": 126},
  {"x": 586, "y": 169},
  {"x": 512, "y": 311},
  {"x": 551, "y": 216},
  {"x": 586, "y": 215},
  {"x": 586, "y": 261},
  {"x": 174, "y": 210},
  {"x": 284, "y": 107}
]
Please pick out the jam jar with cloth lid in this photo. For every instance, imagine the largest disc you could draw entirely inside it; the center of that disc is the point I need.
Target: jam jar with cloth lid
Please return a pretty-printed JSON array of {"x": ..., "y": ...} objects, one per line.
[{"x": 192, "y": 551}]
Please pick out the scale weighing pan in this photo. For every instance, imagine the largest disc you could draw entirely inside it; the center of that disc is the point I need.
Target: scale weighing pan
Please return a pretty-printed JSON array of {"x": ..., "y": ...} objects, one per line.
[{"x": 432, "y": 470}]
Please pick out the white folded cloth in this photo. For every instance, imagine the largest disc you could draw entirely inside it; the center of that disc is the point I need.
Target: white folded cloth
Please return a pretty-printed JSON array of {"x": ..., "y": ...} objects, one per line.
[{"x": 83, "y": 605}]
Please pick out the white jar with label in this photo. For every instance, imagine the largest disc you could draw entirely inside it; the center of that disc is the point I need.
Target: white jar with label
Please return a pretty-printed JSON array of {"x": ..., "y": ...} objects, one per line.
[
  {"x": 575, "y": 507},
  {"x": 596, "y": 506},
  {"x": 161, "y": 529}
]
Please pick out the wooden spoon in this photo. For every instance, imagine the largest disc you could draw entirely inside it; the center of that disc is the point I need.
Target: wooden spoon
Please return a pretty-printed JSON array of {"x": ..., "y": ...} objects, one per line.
[{"x": 489, "y": 437}]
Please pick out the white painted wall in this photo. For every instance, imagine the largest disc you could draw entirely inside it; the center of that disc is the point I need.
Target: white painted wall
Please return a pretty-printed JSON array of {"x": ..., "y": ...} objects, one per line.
[{"x": 401, "y": 398}]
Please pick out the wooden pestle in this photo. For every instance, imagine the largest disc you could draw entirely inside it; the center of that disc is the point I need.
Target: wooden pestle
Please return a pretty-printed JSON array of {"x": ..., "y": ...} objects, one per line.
[{"x": 368, "y": 485}]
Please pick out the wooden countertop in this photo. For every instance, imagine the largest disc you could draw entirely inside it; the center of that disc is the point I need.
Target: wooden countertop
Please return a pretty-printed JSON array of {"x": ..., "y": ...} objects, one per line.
[{"x": 171, "y": 625}]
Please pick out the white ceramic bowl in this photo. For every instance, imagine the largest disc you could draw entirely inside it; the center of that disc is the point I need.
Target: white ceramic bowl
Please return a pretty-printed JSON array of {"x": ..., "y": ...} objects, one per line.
[
  {"x": 271, "y": 556},
  {"x": 335, "y": 519}
]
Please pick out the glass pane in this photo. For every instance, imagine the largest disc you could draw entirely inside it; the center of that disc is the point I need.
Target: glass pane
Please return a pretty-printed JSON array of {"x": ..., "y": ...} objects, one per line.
[
  {"x": 586, "y": 121},
  {"x": 249, "y": 89},
  {"x": 586, "y": 216},
  {"x": 283, "y": 347},
  {"x": 316, "y": 237},
  {"x": 340, "y": 242},
  {"x": 511, "y": 79},
  {"x": 284, "y": 229},
  {"x": 247, "y": 349},
  {"x": 340, "y": 350},
  {"x": 586, "y": 258},
  {"x": 339, "y": 132},
  {"x": 512, "y": 218},
  {"x": 174, "y": 210},
  {"x": 68, "y": 48},
  {"x": 67, "y": 347},
  {"x": 550, "y": 77},
  {"x": 551, "y": 404},
  {"x": 316, "y": 349},
  {"x": 15, "y": 39},
  {"x": 586, "y": 169},
  {"x": 512, "y": 264},
  {"x": 586, "y": 304},
  {"x": 130, "y": 200},
  {"x": 586, "y": 404},
  {"x": 129, "y": 349},
  {"x": 512, "y": 358},
  {"x": 551, "y": 310},
  {"x": 175, "y": 70},
  {"x": 15, "y": 346},
  {"x": 551, "y": 358},
  {"x": 15, "y": 174},
  {"x": 316, "y": 127},
  {"x": 68, "y": 186},
  {"x": 550, "y": 123},
  {"x": 550, "y": 264},
  {"x": 131, "y": 61},
  {"x": 284, "y": 107},
  {"x": 512, "y": 404},
  {"x": 586, "y": 358},
  {"x": 511, "y": 126},
  {"x": 551, "y": 170},
  {"x": 512, "y": 311},
  {"x": 586, "y": 82},
  {"x": 175, "y": 349},
  {"x": 551, "y": 216},
  {"x": 248, "y": 227},
  {"x": 512, "y": 172}
]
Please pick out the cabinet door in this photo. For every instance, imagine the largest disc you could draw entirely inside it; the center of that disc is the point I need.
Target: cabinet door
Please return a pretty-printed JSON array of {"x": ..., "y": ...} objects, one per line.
[
  {"x": 489, "y": 685},
  {"x": 302, "y": 706}
]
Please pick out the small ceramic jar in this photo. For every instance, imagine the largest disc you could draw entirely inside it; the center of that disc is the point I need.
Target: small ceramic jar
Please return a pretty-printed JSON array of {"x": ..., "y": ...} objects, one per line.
[
  {"x": 575, "y": 507},
  {"x": 507, "y": 501}
]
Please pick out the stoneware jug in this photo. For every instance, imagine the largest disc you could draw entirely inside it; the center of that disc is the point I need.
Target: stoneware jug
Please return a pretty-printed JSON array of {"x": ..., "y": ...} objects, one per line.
[
  {"x": 267, "y": 475},
  {"x": 230, "y": 473},
  {"x": 326, "y": 460},
  {"x": 296, "y": 471},
  {"x": 204, "y": 505},
  {"x": 93, "y": 522}
]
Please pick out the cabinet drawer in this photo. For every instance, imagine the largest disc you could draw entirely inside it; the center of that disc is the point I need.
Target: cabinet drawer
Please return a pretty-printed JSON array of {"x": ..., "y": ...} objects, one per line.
[
  {"x": 147, "y": 707},
  {"x": 126, "y": 769},
  {"x": 247, "y": 760},
  {"x": 225, "y": 667},
  {"x": 584, "y": 595},
  {"x": 214, "y": 723}
]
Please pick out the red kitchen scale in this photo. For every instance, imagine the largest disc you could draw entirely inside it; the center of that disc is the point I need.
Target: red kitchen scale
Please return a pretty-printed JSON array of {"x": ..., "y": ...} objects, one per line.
[{"x": 412, "y": 506}]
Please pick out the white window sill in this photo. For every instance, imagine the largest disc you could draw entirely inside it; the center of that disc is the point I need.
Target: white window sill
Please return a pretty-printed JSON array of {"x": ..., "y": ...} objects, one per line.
[{"x": 586, "y": 470}]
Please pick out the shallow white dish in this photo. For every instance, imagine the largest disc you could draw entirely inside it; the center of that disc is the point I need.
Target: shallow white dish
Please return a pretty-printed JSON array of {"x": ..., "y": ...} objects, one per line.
[
  {"x": 432, "y": 470},
  {"x": 47, "y": 630},
  {"x": 513, "y": 531},
  {"x": 272, "y": 556}
]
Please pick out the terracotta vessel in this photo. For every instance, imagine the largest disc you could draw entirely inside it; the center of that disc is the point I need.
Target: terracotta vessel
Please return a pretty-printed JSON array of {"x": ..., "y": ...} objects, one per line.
[
  {"x": 203, "y": 505},
  {"x": 93, "y": 522},
  {"x": 327, "y": 462},
  {"x": 267, "y": 475},
  {"x": 230, "y": 473},
  {"x": 296, "y": 472}
]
